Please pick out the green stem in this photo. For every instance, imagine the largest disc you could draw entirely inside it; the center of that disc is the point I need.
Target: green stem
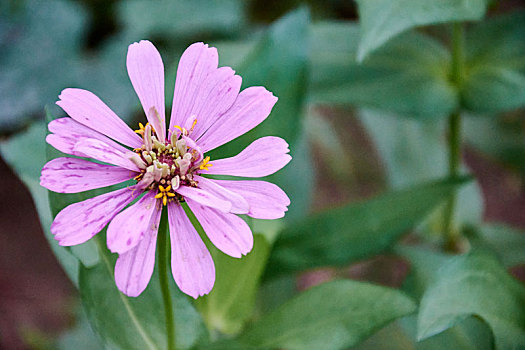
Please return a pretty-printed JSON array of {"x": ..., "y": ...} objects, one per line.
[
  {"x": 164, "y": 257},
  {"x": 452, "y": 235}
]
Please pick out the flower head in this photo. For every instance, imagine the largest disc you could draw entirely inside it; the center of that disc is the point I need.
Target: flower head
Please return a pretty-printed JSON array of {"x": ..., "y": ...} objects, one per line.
[{"x": 168, "y": 167}]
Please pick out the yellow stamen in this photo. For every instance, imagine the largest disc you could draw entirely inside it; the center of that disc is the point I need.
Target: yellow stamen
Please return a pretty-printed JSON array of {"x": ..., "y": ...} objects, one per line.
[
  {"x": 205, "y": 164},
  {"x": 193, "y": 125},
  {"x": 142, "y": 128},
  {"x": 165, "y": 194}
]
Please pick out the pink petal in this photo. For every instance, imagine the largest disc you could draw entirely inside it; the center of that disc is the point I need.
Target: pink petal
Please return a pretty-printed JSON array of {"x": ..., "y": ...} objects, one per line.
[
  {"x": 226, "y": 231},
  {"x": 267, "y": 201},
  {"x": 88, "y": 109},
  {"x": 67, "y": 132},
  {"x": 131, "y": 225},
  {"x": 71, "y": 175},
  {"x": 191, "y": 263},
  {"x": 239, "y": 204},
  {"x": 215, "y": 97},
  {"x": 134, "y": 268},
  {"x": 80, "y": 221},
  {"x": 262, "y": 157},
  {"x": 251, "y": 107},
  {"x": 105, "y": 153},
  {"x": 205, "y": 198},
  {"x": 146, "y": 71},
  {"x": 196, "y": 63}
]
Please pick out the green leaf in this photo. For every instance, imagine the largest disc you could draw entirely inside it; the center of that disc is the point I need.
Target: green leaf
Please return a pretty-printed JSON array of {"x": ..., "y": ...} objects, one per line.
[
  {"x": 26, "y": 155},
  {"x": 495, "y": 68},
  {"x": 79, "y": 337},
  {"x": 168, "y": 19},
  {"x": 356, "y": 231},
  {"x": 414, "y": 151},
  {"x": 40, "y": 44},
  {"x": 502, "y": 138},
  {"x": 232, "y": 299},
  {"x": 409, "y": 75},
  {"x": 333, "y": 315},
  {"x": 506, "y": 242},
  {"x": 469, "y": 334},
  {"x": 381, "y": 20},
  {"x": 475, "y": 284},
  {"x": 134, "y": 323},
  {"x": 391, "y": 337}
]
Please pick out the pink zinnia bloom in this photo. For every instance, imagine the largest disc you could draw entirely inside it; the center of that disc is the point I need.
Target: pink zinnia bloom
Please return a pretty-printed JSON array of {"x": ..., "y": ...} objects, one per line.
[{"x": 168, "y": 166}]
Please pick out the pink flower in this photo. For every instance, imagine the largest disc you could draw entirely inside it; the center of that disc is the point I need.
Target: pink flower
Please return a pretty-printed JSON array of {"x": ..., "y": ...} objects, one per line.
[{"x": 168, "y": 167}]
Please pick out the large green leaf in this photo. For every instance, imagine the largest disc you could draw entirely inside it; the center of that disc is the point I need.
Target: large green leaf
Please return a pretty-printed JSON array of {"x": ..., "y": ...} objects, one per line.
[
  {"x": 508, "y": 243},
  {"x": 232, "y": 298},
  {"x": 475, "y": 284},
  {"x": 409, "y": 75},
  {"x": 134, "y": 323},
  {"x": 502, "y": 138},
  {"x": 356, "y": 231},
  {"x": 40, "y": 48},
  {"x": 495, "y": 67},
  {"x": 471, "y": 334},
  {"x": 333, "y": 315},
  {"x": 168, "y": 18},
  {"x": 26, "y": 155},
  {"x": 414, "y": 151},
  {"x": 468, "y": 334},
  {"x": 80, "y": 336},
  {"x": 381, "y": 20}
]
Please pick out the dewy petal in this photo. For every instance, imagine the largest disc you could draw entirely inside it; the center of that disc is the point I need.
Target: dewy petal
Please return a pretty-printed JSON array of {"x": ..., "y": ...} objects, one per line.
[
  {"x": 146, "y": 71},
  {"x": 89, "y": 110},
  {"x": 71, "y": 175},
  {"x": 205, "y": 198},
  {"x": 105, "y": 153},
  {"x": 134, "y": 268},
  {"x": 262, "y": 157},
  {"x": 239, "y": 204},
  {"x": 266, "y": 200},
  {"x": 226, "y": 231},
  {"x": 134, "y": 223},
  {"x": 191, "y": 263},
  {"x": 216, "y": 96},
  {"x": 196, "y": 63},
  {"x": 80, "y": 221},
  {"x": 251, "y": 107},
  {"x": 67, "y": 133}
]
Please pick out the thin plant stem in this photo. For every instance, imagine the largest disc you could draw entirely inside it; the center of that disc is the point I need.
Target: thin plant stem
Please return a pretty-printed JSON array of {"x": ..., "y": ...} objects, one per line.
[
  {"x": 164, "y": 257},
  {"x": 452, "y": 235}
]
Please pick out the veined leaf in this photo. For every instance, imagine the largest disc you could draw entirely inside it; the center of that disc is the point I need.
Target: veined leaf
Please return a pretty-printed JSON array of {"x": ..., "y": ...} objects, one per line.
[
  {"x": 381, "y": 20},
  {"x": 409, "y": 75},
  {"x": 475, "y": 284},
  {"x": 356, "y": 231},
  {"x": 333, "y": 315},
  {"x": 495, "y": 65}
]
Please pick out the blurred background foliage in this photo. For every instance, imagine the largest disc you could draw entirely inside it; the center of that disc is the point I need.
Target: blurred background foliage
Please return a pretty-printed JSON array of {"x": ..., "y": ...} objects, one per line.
[{"x": 365, "y": 88}]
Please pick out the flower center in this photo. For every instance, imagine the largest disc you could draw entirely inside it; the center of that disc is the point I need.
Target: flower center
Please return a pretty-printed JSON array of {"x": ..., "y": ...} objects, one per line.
[{"x": 171, "y": 164}]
